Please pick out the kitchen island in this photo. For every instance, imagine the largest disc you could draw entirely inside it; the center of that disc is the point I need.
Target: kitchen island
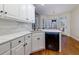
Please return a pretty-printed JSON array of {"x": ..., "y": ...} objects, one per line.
[{"x": 52, "y": 39}]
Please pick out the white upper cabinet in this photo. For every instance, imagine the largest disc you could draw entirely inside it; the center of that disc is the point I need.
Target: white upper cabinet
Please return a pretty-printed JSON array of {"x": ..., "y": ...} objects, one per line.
[
  {"x": 23, "y": 9},
  {"x": 27, "y": 12},
  {"x": 11, "y": 10},
  {"x": 18, "y": 12},
  {"x": 31, "y": 13}
]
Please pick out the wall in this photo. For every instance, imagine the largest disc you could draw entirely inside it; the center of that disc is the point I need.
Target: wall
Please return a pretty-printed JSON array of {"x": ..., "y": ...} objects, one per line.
[
  {"x": 75, "y": 23},
  {"x": 8, "y": 27}
]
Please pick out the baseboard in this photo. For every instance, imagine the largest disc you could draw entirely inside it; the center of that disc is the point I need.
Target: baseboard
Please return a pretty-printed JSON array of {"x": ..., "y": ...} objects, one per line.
[{"x": 75, "y": 37}]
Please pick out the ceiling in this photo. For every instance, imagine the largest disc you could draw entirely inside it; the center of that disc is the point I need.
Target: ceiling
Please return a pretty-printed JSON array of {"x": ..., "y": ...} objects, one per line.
[{"x": 54, "y": 9}]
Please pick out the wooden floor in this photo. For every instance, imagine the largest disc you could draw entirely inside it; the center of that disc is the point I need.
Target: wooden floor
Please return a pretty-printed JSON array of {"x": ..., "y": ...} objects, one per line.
[{"x": 71, "y": 48}]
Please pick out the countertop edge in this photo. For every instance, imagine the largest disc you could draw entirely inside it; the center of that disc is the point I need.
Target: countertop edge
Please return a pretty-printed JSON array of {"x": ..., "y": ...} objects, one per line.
[{"x": 4, "y": 40}]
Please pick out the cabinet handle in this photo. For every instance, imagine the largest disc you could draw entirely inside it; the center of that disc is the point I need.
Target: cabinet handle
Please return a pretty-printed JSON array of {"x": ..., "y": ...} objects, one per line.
[
  {"x": 5, "y": 12},
  {"x": 28, "y": 36},
  {"x": 25, "y": 44},
  {"x": 19, "y": 41},
  {"x": 1, "y": 11},
  {"x": 38, "y": 38}
]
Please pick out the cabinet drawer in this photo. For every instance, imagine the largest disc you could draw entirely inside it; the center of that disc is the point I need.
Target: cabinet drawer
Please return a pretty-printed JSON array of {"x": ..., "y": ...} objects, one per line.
[
  {"x": 28, "y": 37},
  {"x": 17, "y": 41},
  {"x": 4, "y": 47},
  {"x": 37, "y": 34}
]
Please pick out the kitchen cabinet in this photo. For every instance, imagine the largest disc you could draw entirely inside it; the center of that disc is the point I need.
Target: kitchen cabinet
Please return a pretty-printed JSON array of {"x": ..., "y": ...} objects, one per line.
[
  {"x": 27, "y": 13},
  {"x": 23, "y": 9},
  {"x": 28, "y": 46},
  {"x": 42, "y": 42},
  {"x": 35, "y": 45},
  {"x": 6, "y": 53},
  {"x": 38, "y": 41},
  {"x": 18, "y": 50},
  {"x": 24, "y": 47},
  {"x": 18, "y": 12},
  {"x": 11, "y": 10},
  {"x": 17, "y": 46},
  {"x": 17, "y": 41},
  {"x": 31, "y": 13},
  {"x": 4, "y": 47}
]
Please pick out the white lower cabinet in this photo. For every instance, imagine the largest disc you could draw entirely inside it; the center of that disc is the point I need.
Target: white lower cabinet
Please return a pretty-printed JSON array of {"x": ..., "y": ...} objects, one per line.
[
  {"x": 6, "y": 53},
  {"x": 38, "y": 42},
  {"x": 27, "y": 48},
  {"x": 23, "y": 48},
  {"x": 24, "y": 45},
  {"x": 4, "y": 47},
  {"x": 42, "y": 42},
  {"x": 19, "y": 50},
  {"x": 35, "y": 44}
]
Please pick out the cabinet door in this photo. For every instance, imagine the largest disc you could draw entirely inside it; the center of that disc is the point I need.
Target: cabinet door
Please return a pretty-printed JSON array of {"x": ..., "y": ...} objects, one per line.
[
  {"x": 6, "y": 53},
  {"x": 11, "y": 10},
  {"x": 1, "y": 9},
  {"x": 35, "y": 44},
  {"x": 31, "y": 13},
  {"x": 19, "y": 50},
  {"x": 23, "y": 11},
  {"x": 27, "y": 47},
  {"x": 41, "y": 42}
]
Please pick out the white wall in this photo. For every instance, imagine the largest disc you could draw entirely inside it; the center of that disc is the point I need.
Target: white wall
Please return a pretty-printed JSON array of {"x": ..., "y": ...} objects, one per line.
[
  {"x": 8, "y": 27},
  {"x": 75, "y": 24}
]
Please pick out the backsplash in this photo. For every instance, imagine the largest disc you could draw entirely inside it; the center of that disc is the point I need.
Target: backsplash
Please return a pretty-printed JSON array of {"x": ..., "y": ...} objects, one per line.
[{"x": 8, "y": 27}]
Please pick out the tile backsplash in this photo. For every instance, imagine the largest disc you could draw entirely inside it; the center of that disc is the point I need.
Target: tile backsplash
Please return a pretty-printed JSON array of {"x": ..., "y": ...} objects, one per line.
[{"x": 8, "y": 27}]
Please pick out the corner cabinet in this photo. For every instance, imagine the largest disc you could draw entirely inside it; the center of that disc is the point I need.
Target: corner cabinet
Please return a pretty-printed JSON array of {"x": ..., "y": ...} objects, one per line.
[{"x": 18, "y": 12}]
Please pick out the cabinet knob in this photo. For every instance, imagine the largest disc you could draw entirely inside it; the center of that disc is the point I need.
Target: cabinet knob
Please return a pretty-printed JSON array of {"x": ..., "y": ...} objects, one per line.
[
  {"x": 38, "y": 38},
  {"x": 25, "y": 44},
  {"x": 28, "y": 36},
  {"x": 19, "y": 41},
  {"x": 1, "y": 11},
  {"x": 5, "y": 12}
]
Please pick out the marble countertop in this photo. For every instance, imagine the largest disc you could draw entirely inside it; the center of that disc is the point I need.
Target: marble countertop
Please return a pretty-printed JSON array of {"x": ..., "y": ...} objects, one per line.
[
  {"x": 50, "y": 30},
  {"x": 6, "y": 38}
]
